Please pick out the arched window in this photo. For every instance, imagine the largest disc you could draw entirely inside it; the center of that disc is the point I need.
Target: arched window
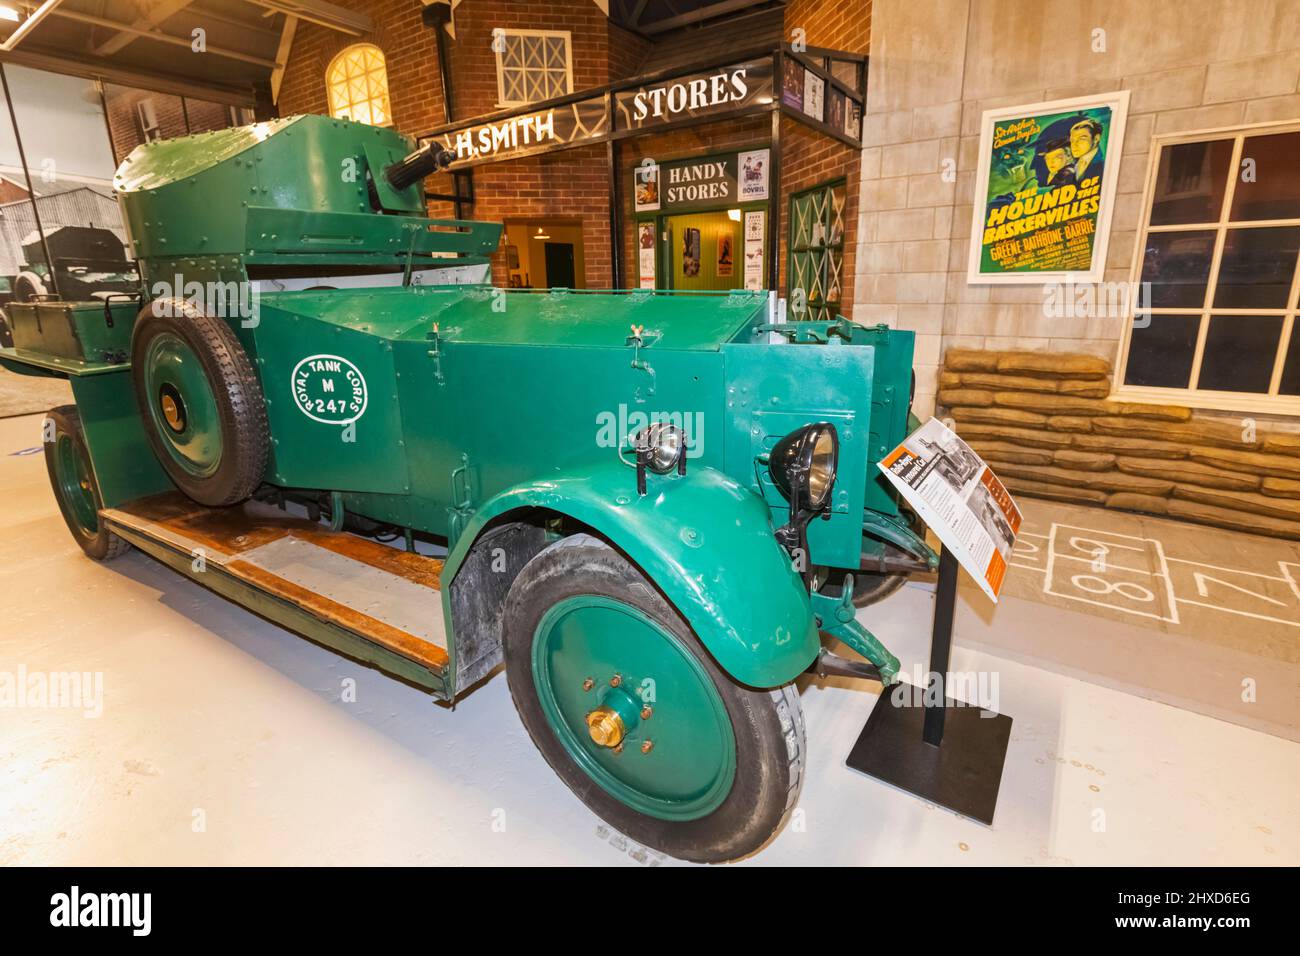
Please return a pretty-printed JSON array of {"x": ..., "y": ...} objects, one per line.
[{"x": 357, "y": 81}]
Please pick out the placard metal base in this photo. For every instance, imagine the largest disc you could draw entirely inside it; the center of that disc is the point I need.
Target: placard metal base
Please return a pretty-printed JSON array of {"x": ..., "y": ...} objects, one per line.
[{"x": 951, "y": 755}]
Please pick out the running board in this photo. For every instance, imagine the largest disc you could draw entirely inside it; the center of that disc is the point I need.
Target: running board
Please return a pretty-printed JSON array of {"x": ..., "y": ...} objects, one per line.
[{"x": 362, "y": 598}]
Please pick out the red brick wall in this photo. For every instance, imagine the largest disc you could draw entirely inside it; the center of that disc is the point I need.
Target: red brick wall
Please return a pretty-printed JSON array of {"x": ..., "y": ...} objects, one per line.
[
  {"x": 410, "y": 50},
  {"x": 474, "y": 70},
  {"x": 124, "y": 122},
  {"x": 840, "y": 25},
  {"x": 626, "y": 51},
  {"x": 571, "y": 184}
]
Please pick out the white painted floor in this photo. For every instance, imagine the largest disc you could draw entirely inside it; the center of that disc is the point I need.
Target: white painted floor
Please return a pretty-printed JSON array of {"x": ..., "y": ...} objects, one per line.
[{"x": 225, "y": 740}]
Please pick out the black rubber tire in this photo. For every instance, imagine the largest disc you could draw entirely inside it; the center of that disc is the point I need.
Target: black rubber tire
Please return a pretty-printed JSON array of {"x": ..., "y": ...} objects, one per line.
[
  {"x": 28, "y": 286},
  {"x": 245, "y": 432},
  {"x": 104, "y": 545},
  {"x": 6, "y": 331},
  {"x": 768, "y": 724}
]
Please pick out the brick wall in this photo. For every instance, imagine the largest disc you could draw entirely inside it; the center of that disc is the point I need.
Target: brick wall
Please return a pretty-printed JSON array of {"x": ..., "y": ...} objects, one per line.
[
  {"x": 410, "y": 50},
  {"x": 474, "y": 71},
  {"x": 844, "y": 25},
  {"x": 1191, "y": 65},
  {"x": 124, "y": 122}
]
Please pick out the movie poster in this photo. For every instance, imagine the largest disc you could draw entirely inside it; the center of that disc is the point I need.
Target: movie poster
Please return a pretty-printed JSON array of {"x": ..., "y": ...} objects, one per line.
[
  {"x": 1045, "y": 189},
  {"x": 646, "y": 253},
  {"x": 723, "y": 266}
]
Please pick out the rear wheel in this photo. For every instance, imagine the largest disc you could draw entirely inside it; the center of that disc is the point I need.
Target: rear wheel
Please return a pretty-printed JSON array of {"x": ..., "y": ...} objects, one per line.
[
  {"x": 75, "y": 489},
  {"x": 635, "y": 716},
  {"x": 28, "y": 286},
  {"x": 201, "y": 402}
]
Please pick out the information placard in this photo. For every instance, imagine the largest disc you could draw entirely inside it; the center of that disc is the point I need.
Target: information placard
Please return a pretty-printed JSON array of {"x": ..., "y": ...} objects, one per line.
[{"x": 959, "y": 498}]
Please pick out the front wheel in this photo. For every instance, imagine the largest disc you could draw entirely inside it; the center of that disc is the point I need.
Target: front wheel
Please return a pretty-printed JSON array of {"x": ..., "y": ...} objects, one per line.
[{"x": 634, "y": 715}]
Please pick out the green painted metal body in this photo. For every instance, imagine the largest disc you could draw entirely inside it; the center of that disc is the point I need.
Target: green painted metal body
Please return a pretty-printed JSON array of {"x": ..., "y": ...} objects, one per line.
[
  {"x": 691, "y": 764},
  {"x": 450, "y": 409}
]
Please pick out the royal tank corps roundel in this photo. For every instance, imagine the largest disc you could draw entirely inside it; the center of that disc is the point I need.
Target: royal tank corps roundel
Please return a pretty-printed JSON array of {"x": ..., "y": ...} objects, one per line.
[{"x": 329, "y": 389}]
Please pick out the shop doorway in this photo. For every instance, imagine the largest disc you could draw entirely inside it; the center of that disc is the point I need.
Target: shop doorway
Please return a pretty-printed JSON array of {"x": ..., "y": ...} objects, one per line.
[
  {"x": 545, "y": 254},
  {"x": 703, "y": 251},
  {"x": 559, "y": 265}
]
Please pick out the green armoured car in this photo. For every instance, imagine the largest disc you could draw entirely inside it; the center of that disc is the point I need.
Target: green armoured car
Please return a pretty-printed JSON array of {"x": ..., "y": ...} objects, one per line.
[{"x": 315, "y": 408}]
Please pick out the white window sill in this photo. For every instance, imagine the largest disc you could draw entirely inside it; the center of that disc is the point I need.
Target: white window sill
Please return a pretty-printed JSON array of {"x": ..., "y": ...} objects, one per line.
[{"x": 1285, "y": 405}]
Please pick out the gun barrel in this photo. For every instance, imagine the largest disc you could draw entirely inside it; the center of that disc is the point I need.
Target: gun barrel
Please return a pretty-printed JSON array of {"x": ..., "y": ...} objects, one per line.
[{"x": 415, "y": 166}]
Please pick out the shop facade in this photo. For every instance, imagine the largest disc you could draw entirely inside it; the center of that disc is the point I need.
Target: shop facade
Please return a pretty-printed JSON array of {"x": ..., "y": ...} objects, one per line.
[{"x": 685, "y": 161}]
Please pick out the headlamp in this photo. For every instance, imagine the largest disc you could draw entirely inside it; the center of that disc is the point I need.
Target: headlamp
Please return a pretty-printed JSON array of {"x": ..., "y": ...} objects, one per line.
[
  {"x": 660, "y": 447},
  {"x": 803, "y": 466}
]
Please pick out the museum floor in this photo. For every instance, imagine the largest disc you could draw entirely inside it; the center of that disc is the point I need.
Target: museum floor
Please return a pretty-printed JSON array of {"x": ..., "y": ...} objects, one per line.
[{"x": 225, "y": 740}]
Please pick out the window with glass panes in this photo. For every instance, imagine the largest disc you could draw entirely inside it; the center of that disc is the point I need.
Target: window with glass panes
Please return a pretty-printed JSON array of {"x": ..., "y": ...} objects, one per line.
[
  {"x": 532, "y": 65},
  {"x": 1219, "y": 249},
  {"x": 357, "y": 83}
]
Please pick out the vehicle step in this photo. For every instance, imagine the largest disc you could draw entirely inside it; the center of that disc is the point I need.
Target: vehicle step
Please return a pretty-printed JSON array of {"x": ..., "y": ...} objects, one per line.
[{"x": 386, "y": 596}]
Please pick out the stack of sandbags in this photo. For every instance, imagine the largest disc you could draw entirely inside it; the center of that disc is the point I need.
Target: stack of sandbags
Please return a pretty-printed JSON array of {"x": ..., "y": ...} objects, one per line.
[{"x": 1045, "y": 425}]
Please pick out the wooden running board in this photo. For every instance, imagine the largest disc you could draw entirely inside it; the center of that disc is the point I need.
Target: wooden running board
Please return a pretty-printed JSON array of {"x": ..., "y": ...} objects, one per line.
[{"x": 383, "y": 595}]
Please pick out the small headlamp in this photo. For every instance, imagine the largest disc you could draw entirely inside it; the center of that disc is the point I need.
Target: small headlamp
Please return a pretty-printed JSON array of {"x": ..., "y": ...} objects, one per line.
[{"x": 660, "y": 447}]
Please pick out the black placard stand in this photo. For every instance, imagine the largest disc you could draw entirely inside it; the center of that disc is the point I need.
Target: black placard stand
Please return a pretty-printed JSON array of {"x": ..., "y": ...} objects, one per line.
[{"x": 951, "y": 755}]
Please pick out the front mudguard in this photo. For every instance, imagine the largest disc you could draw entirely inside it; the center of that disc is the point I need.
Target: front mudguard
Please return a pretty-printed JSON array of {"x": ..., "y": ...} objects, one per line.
[{"x": 702, "y": 539}]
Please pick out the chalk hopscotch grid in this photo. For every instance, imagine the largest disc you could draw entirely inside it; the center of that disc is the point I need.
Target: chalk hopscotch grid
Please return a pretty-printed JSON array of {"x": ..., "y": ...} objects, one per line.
[{"x": 1164, "y": 561}]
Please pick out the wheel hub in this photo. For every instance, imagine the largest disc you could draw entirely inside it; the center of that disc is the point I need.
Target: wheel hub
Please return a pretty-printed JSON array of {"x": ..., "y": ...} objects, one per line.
[
  {"x": 173, "y": 408},
  {"x": 633, "y": 707},
  {"x": 606, "y": 727}
]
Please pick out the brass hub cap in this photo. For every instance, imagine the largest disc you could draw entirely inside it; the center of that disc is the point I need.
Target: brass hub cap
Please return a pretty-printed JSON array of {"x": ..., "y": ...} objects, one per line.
[
  {"x": 172, "y": 408},
  {"x": 606, "y": 726}
]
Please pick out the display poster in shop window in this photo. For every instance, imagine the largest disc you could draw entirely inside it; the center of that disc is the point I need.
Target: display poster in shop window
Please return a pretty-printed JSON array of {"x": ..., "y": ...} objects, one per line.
[{"x": 1045, "y": 190}]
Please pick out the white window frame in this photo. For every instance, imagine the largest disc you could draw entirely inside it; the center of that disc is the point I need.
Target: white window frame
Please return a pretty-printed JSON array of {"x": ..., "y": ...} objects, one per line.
[
  {"x": 566, "y": 35},
  {"x": 1250, "y": 402}
]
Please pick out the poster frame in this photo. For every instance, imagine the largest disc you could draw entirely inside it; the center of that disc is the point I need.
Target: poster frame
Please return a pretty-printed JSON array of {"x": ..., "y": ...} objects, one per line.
[{"x": 1118, "y": 101}]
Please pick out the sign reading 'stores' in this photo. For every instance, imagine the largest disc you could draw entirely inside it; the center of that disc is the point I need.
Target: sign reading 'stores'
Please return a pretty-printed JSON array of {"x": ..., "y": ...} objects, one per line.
[{"x": 694, "y": 95}]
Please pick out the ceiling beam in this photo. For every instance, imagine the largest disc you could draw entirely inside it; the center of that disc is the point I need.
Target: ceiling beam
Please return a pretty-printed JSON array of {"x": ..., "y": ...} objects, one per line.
[
  {"x": 161, "y": 37},
  {"x": 30, "y": 24},
  {"x": 706, "y": 12},
  {"x": 127, "y": 35},
  {"x": 95, "y": 69},
  {"x": 282, "y": 56},
  {"x": 321, "y": 13},
  {"x": 202, "y": 14}
]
